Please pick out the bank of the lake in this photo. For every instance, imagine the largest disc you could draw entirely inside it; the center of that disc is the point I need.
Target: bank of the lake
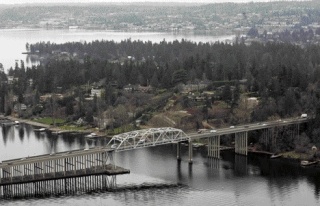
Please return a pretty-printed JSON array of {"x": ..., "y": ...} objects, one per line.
[
  {"x": 14, "y": 40},
  {"x": 290, "y": 157},
  {"x": 56, "y": 129},
  {"x": 230, "y": 180}
]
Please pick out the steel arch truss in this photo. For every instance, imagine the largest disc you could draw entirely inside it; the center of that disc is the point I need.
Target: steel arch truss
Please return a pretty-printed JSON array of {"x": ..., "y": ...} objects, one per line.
[{"x": 147, "y": 138}]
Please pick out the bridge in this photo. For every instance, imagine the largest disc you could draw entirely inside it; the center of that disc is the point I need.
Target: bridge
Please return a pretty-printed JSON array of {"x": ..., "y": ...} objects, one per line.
[
  {"x": 158, "y": 136},
  {"x": 67, "y": 172},
  {"x": 270, "y": 132}
]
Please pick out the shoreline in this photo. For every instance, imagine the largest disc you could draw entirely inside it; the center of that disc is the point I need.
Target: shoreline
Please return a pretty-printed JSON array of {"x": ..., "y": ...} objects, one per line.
[
  {"x": 50, "y": 127},
  {"x": 284, "y": 155},
  {"x": 26, "y": 121}
]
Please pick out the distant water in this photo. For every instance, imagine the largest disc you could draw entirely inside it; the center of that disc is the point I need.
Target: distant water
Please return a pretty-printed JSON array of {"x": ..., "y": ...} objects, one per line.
[
  {"x": 233, "y": 180},
  {"x": 13, "y": 41},
  {"x": 104, "y": 1}
]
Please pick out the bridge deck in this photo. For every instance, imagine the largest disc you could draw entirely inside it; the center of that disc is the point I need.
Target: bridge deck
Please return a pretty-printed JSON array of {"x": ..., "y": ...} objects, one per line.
[{"x": 248, "y": 128}]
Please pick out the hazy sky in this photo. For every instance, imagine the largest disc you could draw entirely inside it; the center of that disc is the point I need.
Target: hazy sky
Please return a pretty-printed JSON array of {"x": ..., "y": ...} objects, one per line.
[{"x": 87, "y": 1}]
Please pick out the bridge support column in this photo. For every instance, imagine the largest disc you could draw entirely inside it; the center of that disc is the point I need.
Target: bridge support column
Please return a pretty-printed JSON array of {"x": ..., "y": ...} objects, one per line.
[
  {"x": 179, "y": 151},
  {"x": 214, "y": 146},
  {"x": 241, "y": 143},
  {"x": 190, "y": 152}
]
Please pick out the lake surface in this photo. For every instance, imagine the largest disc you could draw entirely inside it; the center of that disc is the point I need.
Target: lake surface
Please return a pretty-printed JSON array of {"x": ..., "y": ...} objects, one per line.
[
  {"x": 232, "y": 180},
  {"x": 13, "y": 41}
]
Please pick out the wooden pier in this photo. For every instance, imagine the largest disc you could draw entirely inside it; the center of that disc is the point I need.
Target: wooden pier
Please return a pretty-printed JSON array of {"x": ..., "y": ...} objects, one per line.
[{"x": 19, "y": 177}]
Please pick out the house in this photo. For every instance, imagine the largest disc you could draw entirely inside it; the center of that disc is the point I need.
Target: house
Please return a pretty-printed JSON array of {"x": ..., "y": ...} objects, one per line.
[
  {"x": 30, "y": 81},
  {"x": 19, "y": 107},
  {"x": 144, "y": 89},
  {"x": 46, "y": 97},
  {"x": 252, "y": 102},
  {"x": 12, "y": 79},
  {"x": 129, "y": 88},
  {"x": 96, "y": 92},
  {"x": 196, "y": 86}
]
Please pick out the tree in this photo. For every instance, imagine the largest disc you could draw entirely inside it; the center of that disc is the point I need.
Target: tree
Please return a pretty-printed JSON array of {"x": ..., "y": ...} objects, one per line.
[
  {"x": 185, "y": 102},
  {"x": 166, "y": 73},
  {"x": 121, "y": 116},
  {"x": 235, "y": 96},
  {"x": 27, "y": 47},
  {"x": 179, "y": 76},
  {"x": 226, "y": 94},
  {"x": 205, "y": 108},
  {"x": 290, "y": 104},
  {"x": 302, "y": 141},
  {"x": 253, "y": 32},
  {"x": 154, "y": 80},
  {"x": 89, "y": 116},
  {"x": 69, "y": 108}
]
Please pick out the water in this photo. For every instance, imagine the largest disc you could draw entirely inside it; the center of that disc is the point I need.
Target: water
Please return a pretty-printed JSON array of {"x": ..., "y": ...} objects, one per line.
[
  {"x": 13, "y": 41},
  {"x": 233, "y": 180}
]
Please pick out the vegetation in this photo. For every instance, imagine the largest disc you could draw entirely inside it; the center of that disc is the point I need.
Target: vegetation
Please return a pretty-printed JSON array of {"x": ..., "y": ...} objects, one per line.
[
  {"x": 50, "y": 121},
  {"x": 145, "y": 82}
]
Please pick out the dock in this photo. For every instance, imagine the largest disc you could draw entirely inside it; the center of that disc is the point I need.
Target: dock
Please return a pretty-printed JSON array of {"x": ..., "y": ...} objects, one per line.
[{"x": 88, "y": 168}]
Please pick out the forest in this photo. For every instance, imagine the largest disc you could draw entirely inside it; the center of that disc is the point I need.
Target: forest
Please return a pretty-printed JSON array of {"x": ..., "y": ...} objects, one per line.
[{"x": 284, "y": 77}]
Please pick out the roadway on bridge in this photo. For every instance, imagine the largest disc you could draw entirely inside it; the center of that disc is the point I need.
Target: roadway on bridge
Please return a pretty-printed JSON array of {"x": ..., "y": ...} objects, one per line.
[
  {"x": 55, "y": 156},
  {"x": 246, "y": 127}
]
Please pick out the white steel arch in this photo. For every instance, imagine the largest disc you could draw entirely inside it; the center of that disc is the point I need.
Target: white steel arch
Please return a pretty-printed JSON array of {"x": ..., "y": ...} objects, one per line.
[{"x": 147, "y": 138}]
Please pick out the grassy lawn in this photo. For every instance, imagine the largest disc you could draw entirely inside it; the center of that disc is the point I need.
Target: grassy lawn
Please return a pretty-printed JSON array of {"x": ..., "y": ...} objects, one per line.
[
  {"x": 73, "y": 128},
  {"x": 48, "y": 120},
  {"x": 120, "y": 130},
  {"x": 295, "y": 155}
]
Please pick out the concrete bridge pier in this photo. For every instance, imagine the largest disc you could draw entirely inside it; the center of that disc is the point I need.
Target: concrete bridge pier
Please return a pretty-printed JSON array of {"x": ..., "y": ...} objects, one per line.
[
  {"x": 190, "y": 152},
  {"x": 268, "y": 137},
  {"x": 241, "y": 143},
  {"x": 179, "y": 151},
  {"x": 214, "y": 147}
]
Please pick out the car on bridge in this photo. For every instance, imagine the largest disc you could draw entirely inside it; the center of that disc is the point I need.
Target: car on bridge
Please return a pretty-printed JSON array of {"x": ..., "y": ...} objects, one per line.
[
  {"x": 141, "y": 141},
  {"x": 304, "y": 116},
  {"x": 213, "y": 131}
]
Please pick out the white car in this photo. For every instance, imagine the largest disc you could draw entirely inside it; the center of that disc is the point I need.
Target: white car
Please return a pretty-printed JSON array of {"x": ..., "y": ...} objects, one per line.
[
  {"x": 304, "y": 115},
  {"x": 213, "y": 130},
  {"x": 231, "y": 127},
  {"x": 114, "y": 146},
  {"x": 141, "y": 141}
]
